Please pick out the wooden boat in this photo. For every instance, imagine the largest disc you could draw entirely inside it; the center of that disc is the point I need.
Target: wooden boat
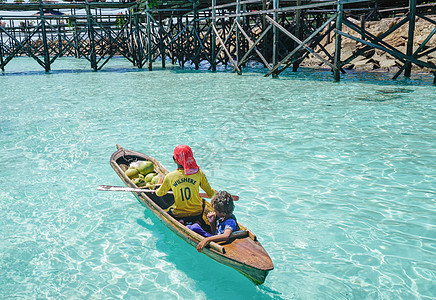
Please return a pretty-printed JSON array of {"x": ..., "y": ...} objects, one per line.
[{"x": 243, "y": 251}]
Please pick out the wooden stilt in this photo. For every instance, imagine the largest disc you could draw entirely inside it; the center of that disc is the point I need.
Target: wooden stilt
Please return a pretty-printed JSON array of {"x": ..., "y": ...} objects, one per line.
[
  {"x": 298, "y": 34},
  {"x": 161, "y": 41},
  {"x": 238, "y": 37},
  {"x": 44, "y": 38},
  {"x": 196, "y": 30},
  {"x": 149, "y": 42},
  {"x": 59, "y": 40},
  {"x": 139, "y": 48},
  {"x": 409, "y": 51},
  {"x": 133, "y": 41},
  {"x": 2, "y": 64},
  {"x": 213, "y": 37},
  {"x": 362, "y": 25},
  {"x": 275, "y": 37},
  {"x": 338, "y": 40},
  {"x": 76, "y": 40},
  {"x": 90, "y": 25}
]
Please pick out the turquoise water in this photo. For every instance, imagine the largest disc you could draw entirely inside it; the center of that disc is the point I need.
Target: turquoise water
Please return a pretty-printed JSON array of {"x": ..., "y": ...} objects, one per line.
[{"x": 336, "y": 179}]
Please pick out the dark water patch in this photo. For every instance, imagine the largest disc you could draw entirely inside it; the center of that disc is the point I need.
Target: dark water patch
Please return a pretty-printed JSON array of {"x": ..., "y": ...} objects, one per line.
[
  {"x": 394, "y": 91},
  {"x": 376, "y": 98},
  {"x": 383, "y": 95}
]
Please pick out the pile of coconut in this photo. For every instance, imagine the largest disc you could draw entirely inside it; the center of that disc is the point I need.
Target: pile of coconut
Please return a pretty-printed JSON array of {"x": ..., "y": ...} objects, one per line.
[{"x": 142, "y": 174}]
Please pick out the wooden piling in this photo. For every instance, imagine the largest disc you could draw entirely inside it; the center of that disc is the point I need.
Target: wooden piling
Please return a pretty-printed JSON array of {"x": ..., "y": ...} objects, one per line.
[
  {"x": 92, "y": 56},
  {"x": 411, "y": 33},
  {"x": 338, "y": 40},
  {"x": 161, "y": 41},
  {"x": 2, "y": 64},
  {"x": 298, "y": 32},
  {"x": 149, "y": 40},
  {"x": 275, "y": 47},
  {"x": 238, "y": 35},
  {"x": 213, "y": 37},
  {"x": 44, "y": 38},
  {"x": 138, "y": 44}
]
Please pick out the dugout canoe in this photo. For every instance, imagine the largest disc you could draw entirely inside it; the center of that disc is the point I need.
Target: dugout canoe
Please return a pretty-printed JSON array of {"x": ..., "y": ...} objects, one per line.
[{"x": 243, "y": 252}]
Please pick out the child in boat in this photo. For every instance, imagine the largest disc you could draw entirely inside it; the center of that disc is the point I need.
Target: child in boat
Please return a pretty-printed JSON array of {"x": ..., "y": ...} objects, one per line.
[
  {"x": 222, "y": 221},
  {"x": 185, "y": 183}
]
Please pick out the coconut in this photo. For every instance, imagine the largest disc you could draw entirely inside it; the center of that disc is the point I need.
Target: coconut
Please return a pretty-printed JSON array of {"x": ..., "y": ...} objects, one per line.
[
  {"x": 149, "y": 177},
  {"x": 146, "y": 167},
  {"x": 139, "y": 181},
  {"x": 132, "y": 172}
]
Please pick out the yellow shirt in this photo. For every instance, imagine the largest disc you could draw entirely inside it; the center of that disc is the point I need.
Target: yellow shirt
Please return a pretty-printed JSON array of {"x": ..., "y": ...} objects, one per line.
[{"x": 186, "y": 192}]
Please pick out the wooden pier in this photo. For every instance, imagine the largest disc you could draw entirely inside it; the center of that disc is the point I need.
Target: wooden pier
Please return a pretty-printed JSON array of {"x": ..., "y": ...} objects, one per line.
[{"x": 279, "y": 34}]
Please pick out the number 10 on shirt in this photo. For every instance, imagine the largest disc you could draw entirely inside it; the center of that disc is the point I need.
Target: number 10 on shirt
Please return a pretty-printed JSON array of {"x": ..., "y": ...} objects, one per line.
[{"x": 186, "y": 193}]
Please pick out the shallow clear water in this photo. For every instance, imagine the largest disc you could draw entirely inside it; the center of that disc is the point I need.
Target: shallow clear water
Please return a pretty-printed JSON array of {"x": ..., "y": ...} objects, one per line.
[{"x": 336, "y": 179}]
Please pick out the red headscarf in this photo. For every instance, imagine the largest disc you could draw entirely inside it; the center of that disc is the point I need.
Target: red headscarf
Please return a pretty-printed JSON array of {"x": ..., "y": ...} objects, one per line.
[{"x": 183, "y": 155}]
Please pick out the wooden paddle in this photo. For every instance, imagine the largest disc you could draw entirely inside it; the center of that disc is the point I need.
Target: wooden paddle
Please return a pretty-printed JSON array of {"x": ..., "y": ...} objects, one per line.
[{"x": 129, "y": 189}]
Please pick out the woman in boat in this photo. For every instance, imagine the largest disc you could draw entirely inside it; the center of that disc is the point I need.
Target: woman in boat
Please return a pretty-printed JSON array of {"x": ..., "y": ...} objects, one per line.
[
  {"x": 222, "y": 221},
  {"x": 185, "y": 183}
]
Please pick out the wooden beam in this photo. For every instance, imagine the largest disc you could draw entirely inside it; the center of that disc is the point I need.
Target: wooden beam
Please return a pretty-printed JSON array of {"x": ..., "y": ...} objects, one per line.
[
  {"x": 307, "y": 40},
  {"x": 415, "y": 54},
  {"x": 253, "y": 46},
  {"x": 396, "y": 54},
  {"x": 300, "y": 42},
  {"x": 226, "y": 51}
]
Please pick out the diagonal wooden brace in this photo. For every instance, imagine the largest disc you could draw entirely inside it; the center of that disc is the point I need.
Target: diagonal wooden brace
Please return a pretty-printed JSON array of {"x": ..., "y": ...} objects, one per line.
[
  {"x": 300, "y": 42},
  {"x": 225, "y": 49}
]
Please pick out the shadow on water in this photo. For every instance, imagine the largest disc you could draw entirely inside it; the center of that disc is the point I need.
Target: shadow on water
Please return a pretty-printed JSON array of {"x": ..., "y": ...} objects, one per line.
[
  {"x": 382, "y": 95},
  {"x": 211, "y": 277}
]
